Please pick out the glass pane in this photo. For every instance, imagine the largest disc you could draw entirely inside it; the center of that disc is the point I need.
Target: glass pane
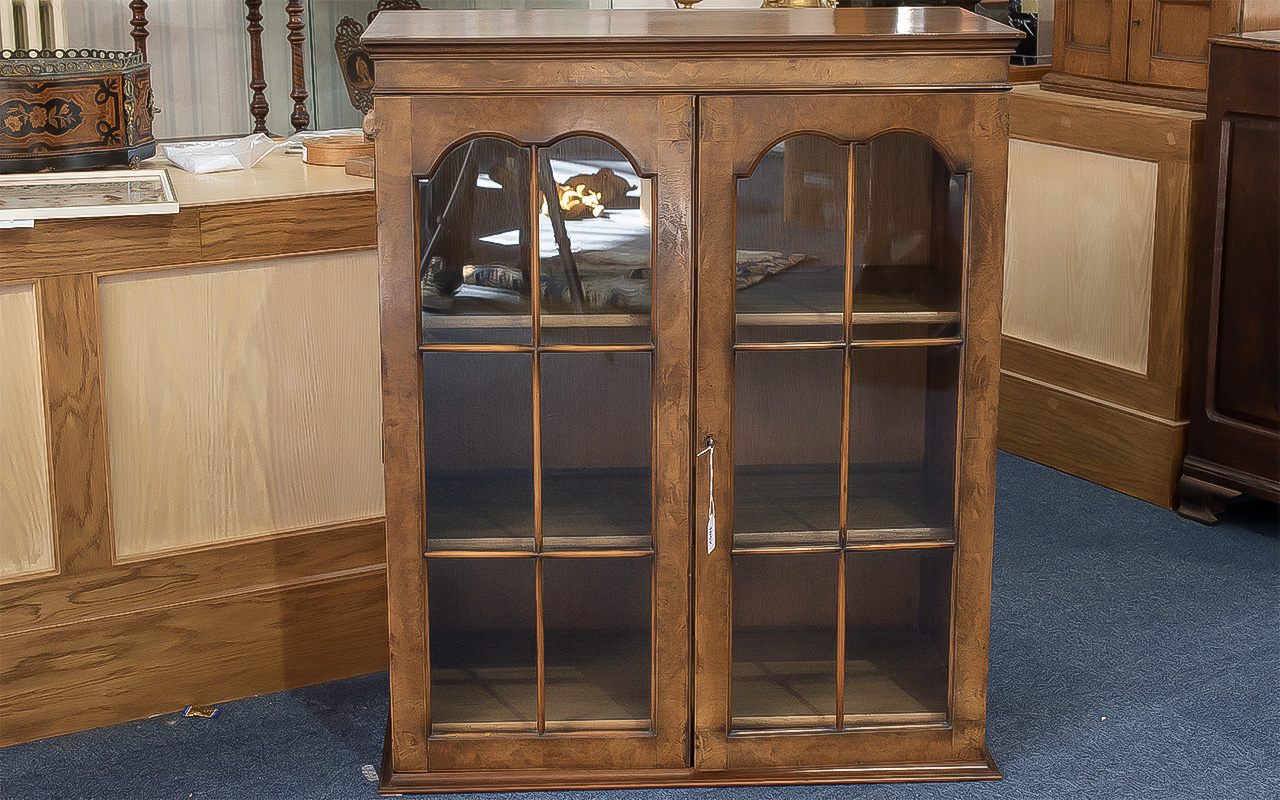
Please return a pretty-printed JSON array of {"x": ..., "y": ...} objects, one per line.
[
  {"x": 475, "y": 256},
  {"x": 597, "y": 616},
  {"x": 595, "y": 245},
  {"x": 597, "y": 423},
  {"x": 478, "y": 422},
  {"x": 902, "y": 441},
  {"x": 897, "y": 641},
  {"x": 784, "y": 641},
  {"x": 786, "y": 446},
  {"x": 908, "y": 237},
  {"x": 483, "y": 643},
  {"x": 792, "y": 243}
]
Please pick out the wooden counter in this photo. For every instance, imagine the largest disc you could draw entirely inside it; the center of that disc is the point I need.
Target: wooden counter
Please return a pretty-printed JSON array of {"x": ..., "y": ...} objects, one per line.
[{"x": 196, "y": 512}]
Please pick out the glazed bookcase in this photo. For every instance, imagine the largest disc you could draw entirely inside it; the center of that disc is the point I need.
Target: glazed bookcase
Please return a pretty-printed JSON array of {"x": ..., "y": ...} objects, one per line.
[{"x": 713, "y": 504}]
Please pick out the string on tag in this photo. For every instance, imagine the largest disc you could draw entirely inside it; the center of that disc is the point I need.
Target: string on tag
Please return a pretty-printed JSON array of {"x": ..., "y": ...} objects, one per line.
[{"x": 710, "y": 452}]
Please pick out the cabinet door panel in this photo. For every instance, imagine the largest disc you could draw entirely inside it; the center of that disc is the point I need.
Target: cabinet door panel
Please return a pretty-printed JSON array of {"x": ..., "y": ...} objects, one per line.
[
  {"x": 828, "y": 596},
  {"x": 1092, "y": 38},
  {"x": 1169, "y": 45},
  {"x": 552, "y": 275}
]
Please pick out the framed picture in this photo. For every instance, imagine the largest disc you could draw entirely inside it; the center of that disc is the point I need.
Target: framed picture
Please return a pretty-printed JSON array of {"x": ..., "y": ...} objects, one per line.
[{"x": 65, "y": 195}]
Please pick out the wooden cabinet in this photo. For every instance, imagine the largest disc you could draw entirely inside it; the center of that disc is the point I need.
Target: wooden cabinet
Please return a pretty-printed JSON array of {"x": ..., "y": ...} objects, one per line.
[
  {"x": 1146, "y": 51},
  {"x": 713, "y": 504},
  {"x": 1097, "y": 263},
  {"x": 1233, "y": 443}
]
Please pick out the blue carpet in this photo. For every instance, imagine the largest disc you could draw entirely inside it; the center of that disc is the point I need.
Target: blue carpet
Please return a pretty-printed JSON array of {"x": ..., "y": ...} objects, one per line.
[{"x": 1134, "y": 654}]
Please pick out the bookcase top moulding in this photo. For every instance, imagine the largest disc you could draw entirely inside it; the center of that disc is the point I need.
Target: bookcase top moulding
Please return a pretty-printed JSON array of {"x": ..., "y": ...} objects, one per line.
[{"x": 682, "y": 32}]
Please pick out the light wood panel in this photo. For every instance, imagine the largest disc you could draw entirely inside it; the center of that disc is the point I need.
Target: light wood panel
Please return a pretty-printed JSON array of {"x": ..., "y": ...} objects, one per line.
[
  {"x": 1078, "y": 272},
  {"x": 233, "y": 408},
  {"x": 26, "y": 516}
]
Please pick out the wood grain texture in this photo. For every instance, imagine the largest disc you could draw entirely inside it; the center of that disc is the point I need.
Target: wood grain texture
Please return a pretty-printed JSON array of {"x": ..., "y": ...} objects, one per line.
[
  {"x": 27, "y": 545},
  {"x": 190, "y": 577},
  {"x": 299, "y": 225},
  {"x": 78, "y": 442},
  {"x": 1104, "y": 382},
  {"x": 63, "y": 247},
  {"x": 1079, "y": 257},
  {"x": 1113, "y": 127},
  {"x": 79, "y": 675},
  {"x": 1129, "y": 452},
  {"x": 236, "y": 410}
]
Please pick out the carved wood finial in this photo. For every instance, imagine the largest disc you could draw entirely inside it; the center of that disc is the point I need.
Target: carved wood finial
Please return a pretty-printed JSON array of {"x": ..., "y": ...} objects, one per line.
[
  {"x": 300, "y": 118},
  {"x": 258, "y": 106},
  {"x": 139, "y": 24}
]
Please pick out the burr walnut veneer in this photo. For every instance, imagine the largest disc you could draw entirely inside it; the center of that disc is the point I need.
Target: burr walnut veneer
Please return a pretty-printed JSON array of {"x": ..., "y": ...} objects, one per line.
[{"x": 690, "y": 347}]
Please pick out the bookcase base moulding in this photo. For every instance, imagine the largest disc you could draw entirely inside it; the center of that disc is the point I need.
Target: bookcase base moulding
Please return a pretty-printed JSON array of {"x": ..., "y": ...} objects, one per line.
[{"x": 690, "y": 335}]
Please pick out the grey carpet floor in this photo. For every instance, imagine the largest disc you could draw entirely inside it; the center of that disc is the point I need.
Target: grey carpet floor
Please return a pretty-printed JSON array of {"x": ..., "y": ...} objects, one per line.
[{"x": 1134, "y": 654}]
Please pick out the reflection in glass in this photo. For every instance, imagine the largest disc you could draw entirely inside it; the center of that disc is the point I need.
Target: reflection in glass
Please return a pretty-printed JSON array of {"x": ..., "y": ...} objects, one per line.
[
  {"x": 484, "y": 648},
  {"x": 478, "y": 426},
  {"x": 595, "y": 245},
  {"x": 902, "y": 439},
  {"x": 597, "y": 618},
  {"x": 791, "y": 243},
  {"x": 908, "y": 235},
  {"x": 898, "y": 637},
  {"x": 784, "y": 641},
  {"x": 787, "y": 407},
  {"x": 597, "y": 422},
  {"x": 475, "y": 258}
]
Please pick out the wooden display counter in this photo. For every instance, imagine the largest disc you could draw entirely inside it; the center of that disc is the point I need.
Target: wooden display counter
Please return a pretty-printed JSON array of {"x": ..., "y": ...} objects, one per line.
[
  {"x": 193, "y": 510},
  {"x": 1097, "y": 265}
]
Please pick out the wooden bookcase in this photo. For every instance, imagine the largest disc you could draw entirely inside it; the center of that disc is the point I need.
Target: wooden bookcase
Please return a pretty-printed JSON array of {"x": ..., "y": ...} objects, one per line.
[{"x": 714, "y": 504}]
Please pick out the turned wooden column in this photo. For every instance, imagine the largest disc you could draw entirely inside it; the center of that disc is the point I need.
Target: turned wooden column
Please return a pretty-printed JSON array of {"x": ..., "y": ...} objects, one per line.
[
  {"x": 139, "y": 24},
  {"x": 258, "y": 106},
  {"x": 300, "y": 118}
]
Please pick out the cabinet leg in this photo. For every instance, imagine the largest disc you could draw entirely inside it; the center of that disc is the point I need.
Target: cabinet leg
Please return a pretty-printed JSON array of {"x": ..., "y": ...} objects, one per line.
[{"x": 1201, "y": 500}]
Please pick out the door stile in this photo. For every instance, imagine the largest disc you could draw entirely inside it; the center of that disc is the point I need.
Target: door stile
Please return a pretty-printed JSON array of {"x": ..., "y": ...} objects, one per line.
[
  {"x": 401, "y": 445},
  {"x": 715, "y": 276}
]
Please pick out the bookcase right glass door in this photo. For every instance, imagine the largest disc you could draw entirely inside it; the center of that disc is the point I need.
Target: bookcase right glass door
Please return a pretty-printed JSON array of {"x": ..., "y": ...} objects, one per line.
[{"x": 847, "y": 362}]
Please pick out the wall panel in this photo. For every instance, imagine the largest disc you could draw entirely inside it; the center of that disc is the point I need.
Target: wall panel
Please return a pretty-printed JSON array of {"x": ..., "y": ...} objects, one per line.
[
  {"x": 26, "y": 517},
  {"x": 1077, "y": 274},
  {"x": 235, "y": 410}
]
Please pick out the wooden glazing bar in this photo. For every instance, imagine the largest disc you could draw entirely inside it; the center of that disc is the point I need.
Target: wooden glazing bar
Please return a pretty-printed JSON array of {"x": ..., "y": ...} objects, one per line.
[
  {"x": 479, "y": 554},
  {"x": 535, "y": 309},
  {"x": 475, "y": 348},
  {"x": 595, "y": 553},
  {"x": 850, "y": 253},
  {"x": 542, "y": 647},
  {"x": 786, "y": 318},
  {"x": 928, "y": 544},
  {"x": 596, "y": 348},
  {"x": 763, "y": 549},
  {"x": 548, "y": 321},
  {"x": 789, "y": 346},
  {"x": 907, "y": 342},
  {"x": 841, "y": 621}
]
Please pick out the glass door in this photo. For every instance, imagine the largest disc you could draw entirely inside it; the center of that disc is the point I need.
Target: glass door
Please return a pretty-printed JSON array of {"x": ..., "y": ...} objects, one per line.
[
  {"x": 842, "y": 372},
  {"x": 554, "y": 560}
]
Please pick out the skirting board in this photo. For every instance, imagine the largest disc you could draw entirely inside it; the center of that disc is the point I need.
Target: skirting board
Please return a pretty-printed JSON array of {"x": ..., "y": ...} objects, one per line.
[
  {"x": 1134, "y": 453},
  {"x": 73, "y": 676}
]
